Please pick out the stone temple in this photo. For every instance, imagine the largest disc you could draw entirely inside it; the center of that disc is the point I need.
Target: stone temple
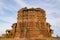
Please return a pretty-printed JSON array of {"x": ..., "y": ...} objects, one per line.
[{"x": 31, "y": 23}]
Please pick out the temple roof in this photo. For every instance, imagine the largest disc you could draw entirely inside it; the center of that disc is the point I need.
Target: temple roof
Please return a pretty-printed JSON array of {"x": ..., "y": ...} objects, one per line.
[{"x": 37, "y": 9}]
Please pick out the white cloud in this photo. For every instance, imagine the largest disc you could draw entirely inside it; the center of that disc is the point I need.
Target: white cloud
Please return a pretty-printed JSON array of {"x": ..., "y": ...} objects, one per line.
[
  {"x": 7, "y": 24},
  {"x": 6, "y": 6},
  {"x": 55, "y": 25},
  {"x": 3, "y": 27},
  {"x": 8, "y": 19},
  {"x": 22, "y": 3},
  {"x": 54, "y": 21}
]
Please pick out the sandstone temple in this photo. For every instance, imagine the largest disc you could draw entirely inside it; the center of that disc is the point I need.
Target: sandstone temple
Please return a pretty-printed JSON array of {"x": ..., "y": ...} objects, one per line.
[{"x": 31, "y": 23}]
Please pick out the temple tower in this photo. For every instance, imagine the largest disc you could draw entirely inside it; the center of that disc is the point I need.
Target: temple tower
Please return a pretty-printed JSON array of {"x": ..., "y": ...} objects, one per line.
[{"x": 31, "y": 23}]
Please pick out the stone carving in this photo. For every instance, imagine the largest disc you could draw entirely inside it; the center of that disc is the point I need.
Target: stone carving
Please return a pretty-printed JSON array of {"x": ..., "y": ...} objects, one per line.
[{"x": 31, "y": 23}]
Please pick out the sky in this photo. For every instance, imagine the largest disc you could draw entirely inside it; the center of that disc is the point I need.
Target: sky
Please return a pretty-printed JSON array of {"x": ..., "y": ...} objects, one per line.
[{"x": 9, "y": 10}]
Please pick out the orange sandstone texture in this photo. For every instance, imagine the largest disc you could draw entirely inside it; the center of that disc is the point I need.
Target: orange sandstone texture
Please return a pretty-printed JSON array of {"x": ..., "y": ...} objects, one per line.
[{"x": 31, "y": 23}]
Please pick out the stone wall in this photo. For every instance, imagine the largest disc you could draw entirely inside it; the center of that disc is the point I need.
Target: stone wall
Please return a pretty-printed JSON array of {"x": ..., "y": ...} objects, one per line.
[{"x": 31, "y": 23}]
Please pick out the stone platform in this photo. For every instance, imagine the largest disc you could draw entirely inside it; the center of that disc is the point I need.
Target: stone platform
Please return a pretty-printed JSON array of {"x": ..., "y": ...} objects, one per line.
[{"x": 29, "y": 39}]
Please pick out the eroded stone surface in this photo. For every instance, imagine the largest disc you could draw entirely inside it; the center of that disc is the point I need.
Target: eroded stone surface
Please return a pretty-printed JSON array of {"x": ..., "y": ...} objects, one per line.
[{"x": 31, "y": 23}]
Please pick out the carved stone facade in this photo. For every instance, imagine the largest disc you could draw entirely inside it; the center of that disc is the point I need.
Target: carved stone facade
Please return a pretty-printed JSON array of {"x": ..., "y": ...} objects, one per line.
[{"x": 31, "y": 23}]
